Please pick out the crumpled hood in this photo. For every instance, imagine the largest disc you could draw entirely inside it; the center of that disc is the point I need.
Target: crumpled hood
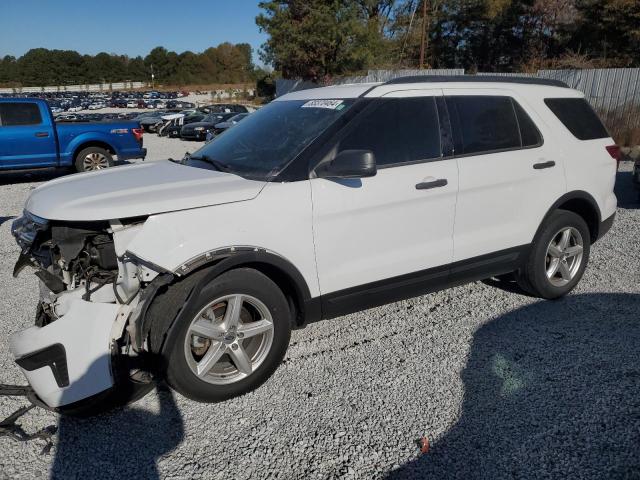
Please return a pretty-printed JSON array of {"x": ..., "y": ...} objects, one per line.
[{"x": 137, "y": 190}]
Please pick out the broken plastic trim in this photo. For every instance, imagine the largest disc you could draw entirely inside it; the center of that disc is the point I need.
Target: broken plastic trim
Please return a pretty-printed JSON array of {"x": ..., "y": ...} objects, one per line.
[{"x": 54, "y": 357}]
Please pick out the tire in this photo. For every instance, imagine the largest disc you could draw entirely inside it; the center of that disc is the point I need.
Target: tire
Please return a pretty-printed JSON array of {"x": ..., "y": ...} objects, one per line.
[
  {"x": 230, "y": 361},
  {"x": 92, "y": 159},
  {"x": 545, "y": 274}
]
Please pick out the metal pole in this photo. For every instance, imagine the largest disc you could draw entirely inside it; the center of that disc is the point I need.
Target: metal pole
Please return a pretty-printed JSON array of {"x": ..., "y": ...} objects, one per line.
[{"x": 424, "y": 31}]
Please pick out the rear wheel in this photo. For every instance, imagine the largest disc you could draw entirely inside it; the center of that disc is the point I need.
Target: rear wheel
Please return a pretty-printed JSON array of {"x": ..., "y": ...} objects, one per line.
[
  {"x": 230, "y": 338},
  {"x": 92, "y": 159},
  {"x": 558, "y": 256}
]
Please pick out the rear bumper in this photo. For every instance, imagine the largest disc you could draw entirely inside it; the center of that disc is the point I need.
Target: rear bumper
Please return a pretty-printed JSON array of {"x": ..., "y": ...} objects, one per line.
[
  {"x": 69, "y": 359},
  {"x": 131, "y": 154}
]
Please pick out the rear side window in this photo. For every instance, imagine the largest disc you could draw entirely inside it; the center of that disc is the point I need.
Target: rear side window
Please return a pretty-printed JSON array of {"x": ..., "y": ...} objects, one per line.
[
  {"x": 12, "y": 114},
  {"x": 578, "y": 116},
  {"x": 484, "y": 124},
  {"x": 397, "y": 131}
]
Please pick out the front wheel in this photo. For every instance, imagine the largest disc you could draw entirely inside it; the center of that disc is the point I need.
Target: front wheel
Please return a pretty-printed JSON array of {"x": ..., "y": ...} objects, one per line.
[
  {"x": 558, "y": 256},
  {"x": 230, "y": 338}
]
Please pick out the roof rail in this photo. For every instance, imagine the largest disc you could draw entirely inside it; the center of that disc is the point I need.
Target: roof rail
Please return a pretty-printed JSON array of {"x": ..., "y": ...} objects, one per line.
[{"x": 476, "y": 79}]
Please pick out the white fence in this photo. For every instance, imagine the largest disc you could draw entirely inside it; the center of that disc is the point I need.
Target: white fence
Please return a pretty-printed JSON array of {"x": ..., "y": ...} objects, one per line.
[{"x": 96, "y": 87}]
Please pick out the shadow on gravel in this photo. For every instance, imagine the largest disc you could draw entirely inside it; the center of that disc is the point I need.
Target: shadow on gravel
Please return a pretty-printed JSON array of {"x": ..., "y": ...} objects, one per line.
[
  {"x": 27, "y": 176},
  {"x": 628, "y": 195},
  {"x": 6, "y": 219},
  {"x": 124, "y": 444},
  {"x": 552, "y": 390}
]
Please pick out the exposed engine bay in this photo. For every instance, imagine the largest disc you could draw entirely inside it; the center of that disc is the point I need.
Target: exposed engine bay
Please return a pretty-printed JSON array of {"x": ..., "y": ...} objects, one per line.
[
  {"x": 89, "y": 290},
  {"x": 78, "y": 260}
]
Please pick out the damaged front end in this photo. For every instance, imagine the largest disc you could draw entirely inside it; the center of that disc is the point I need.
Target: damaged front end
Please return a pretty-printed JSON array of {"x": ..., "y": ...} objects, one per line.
[{"x": 89, "y": 307}]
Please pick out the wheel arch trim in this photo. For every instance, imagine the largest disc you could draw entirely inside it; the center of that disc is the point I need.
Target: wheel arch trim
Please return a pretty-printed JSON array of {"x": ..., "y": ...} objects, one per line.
[
  {"x": 221, "y": 260},
  {"x": 580, "y": 195}
]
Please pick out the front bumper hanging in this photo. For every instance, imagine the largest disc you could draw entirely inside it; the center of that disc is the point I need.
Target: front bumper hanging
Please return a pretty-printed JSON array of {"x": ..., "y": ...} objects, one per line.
[{"x": 69, "y": 359}]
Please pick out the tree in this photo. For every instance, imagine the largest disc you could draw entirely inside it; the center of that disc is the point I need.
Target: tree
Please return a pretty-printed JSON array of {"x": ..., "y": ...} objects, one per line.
[
  {"x": 609, "y": 29},
  {"x": 8, "y": 70},
  {"x": 315, "y": 39}
]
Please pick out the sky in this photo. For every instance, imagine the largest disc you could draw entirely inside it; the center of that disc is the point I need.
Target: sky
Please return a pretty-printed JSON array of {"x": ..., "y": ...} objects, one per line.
[{"x": 131, "y": 27}]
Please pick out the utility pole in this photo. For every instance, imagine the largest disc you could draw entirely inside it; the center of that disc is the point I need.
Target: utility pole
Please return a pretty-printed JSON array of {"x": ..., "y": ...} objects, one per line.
[
  {"x": 152, "y": 77},
  {"x": 424, "y": 33}
]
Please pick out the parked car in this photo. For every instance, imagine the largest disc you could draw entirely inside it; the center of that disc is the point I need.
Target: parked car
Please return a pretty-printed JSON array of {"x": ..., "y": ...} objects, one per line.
[
  {"x": 96, "y": 106},
  {"x": 66, "y": 117},
  {"x": 224, "y": 108},
  {"x": 222, "y": 126},
  {"x": 150, "y": 123},
  {"x": 29, "y": 138},
  {"x": 199, "y": 130},
  {"x": 173, "y": 130},
  {"x": 385, "y": 192}
]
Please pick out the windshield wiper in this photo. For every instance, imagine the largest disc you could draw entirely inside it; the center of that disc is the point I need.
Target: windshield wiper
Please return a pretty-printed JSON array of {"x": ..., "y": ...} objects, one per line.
[{"x": 218, "y": 165}]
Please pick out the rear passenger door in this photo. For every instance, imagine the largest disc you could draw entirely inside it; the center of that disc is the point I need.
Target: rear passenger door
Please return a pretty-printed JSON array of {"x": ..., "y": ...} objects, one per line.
[
  {"x": 508, "y": 175},
  {"x": 26, "y": 138},
  {"x": 379, "y": 238}
]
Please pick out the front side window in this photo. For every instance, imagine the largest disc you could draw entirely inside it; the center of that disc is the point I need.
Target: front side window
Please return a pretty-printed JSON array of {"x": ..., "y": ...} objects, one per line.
[
  {"x": 483, "y": 124},
  {"x": 265, "y": 142},
  {"x": 397, "y": 131},
  {"x": 13, "y": 114}
]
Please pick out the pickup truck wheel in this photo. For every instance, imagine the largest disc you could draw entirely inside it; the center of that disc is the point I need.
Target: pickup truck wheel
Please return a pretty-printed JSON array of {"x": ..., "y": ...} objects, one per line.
[
  {"x": 229, "y": 339},
  {"x": 92, "y": 159}
]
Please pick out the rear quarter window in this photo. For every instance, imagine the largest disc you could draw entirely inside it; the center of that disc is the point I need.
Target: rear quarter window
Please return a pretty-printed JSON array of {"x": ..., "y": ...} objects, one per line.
[
  {"x": 12, "y": 114},
  {"x": 578, "y": 116}
]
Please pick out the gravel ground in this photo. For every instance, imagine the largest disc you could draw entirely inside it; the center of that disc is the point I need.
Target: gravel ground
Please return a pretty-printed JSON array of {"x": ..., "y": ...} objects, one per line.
[{"x": 502, "y": 385}]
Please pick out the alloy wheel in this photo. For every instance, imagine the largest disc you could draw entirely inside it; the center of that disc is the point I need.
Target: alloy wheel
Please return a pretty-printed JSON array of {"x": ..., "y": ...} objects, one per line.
[
  {"x": 95, "y": 161},
  {"x": 564, "y": 256},
  {"x": 229, "y": 339}
]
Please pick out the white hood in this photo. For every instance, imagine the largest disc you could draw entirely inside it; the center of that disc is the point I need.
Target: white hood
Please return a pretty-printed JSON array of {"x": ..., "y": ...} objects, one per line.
[{"x": 137, "y": 190}]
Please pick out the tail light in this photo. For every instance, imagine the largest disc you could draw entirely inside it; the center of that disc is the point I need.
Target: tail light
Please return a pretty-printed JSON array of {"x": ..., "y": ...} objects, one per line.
[
  {"x": 614, "y": 151},
  {"x": 137, "y": 132}
]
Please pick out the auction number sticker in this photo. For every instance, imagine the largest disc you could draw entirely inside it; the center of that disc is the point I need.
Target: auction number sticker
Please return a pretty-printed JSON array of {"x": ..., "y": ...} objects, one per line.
[{"x": 330, "y": 104}]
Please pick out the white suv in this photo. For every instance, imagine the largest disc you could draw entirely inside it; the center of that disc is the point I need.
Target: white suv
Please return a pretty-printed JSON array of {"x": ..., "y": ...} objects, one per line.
[{"x": 324, "y": 202}]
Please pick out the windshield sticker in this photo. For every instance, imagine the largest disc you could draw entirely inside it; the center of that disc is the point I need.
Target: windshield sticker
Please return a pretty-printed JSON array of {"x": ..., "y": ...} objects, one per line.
[{"x": 331, "y": 104}]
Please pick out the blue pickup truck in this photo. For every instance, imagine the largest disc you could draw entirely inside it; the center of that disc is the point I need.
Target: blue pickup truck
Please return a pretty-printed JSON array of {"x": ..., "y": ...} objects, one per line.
[{"x": 30, "y": 138}]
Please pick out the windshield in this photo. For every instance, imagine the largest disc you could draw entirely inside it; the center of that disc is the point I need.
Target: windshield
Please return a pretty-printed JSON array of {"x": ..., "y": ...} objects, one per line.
[{"x": 266, "y": 141}]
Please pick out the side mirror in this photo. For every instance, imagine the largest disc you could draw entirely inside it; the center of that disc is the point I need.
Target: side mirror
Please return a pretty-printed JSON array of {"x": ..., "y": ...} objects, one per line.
[{"x": 349, "y": 164}]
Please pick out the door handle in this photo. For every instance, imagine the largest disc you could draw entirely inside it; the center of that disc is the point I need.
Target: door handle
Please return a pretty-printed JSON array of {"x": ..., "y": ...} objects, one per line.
[
  {"x": 540, "y": 166},
  {"x": 441, "y": 182},
  {"x": 41, "y": 134}
]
